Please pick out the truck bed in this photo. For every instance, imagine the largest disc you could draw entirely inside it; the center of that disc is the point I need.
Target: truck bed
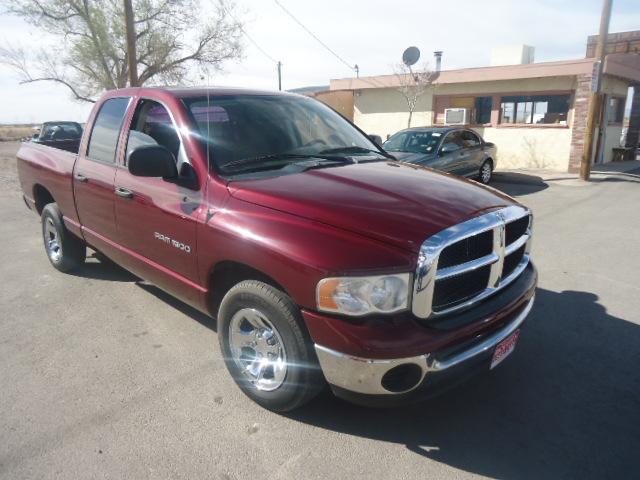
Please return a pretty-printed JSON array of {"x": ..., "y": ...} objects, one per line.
[
  {"x": 47, "y": 172},
  {"x": 71, "y": 145}
]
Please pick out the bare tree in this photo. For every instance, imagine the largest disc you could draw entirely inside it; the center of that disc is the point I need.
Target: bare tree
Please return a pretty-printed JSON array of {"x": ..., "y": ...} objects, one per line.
[
  {"x": 412, "y": 85},
  {"x": 88, "y": 51}
]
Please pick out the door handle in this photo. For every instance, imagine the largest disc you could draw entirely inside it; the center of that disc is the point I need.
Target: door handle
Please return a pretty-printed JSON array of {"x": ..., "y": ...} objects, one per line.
[
  {"x": 81, "y": 178},
  {"x": 124, "y": 192}
]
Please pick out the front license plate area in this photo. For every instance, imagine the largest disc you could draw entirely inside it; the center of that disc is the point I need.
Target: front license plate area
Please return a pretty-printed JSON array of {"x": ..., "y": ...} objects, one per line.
[{"x": 504, "y": 349}]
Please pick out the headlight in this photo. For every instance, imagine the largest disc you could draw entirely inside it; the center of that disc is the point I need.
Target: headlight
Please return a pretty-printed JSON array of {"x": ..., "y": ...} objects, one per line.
[{"x": 363, "y": 295}]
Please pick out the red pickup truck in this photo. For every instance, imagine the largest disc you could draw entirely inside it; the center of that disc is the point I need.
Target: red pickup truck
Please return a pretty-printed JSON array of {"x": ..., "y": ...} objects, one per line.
[{"x": 323, "y": 259}]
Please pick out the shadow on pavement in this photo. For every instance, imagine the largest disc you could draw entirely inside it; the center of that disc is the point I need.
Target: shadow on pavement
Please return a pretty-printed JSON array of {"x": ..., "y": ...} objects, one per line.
[
  {"x": 567, "y": 405},
  {"x": 182, "y": 307},
  {"x": 517, "y": 184},
  {"x": 99, "y": 267},
  {"x": 616, "y": 177}
]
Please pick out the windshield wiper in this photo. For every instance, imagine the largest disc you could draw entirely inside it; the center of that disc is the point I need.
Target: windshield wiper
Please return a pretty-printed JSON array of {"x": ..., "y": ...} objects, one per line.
[
  {"x": 355, "y": 149},
  {"x": 287, "y": 157}
]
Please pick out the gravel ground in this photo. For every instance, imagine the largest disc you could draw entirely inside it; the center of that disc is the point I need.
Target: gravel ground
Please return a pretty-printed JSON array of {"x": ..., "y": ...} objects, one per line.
[
  {"x": 106, "y": 377},
  {"x": 8, "y": 172}
]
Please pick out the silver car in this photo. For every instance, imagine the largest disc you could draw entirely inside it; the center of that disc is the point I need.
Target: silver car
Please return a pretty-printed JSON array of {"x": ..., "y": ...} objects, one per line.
[{"x": 451, "y": 149}]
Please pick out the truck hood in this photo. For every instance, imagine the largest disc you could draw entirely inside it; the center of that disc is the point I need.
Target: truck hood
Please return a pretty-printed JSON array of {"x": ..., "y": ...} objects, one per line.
[{"x": 397, "y": 203}]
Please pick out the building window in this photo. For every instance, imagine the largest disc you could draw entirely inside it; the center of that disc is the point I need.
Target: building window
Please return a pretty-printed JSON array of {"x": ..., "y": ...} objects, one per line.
[
  {"x": 479, "y": 108},
  {"x": 615, "y": 110},
  {"x": 483, "y": 110},
  {"x": 535, "y": 109}
]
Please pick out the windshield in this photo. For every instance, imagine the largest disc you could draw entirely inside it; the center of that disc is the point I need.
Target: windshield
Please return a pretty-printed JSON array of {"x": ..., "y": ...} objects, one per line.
[
  {"x": 414, "y": 142},
  {"x": 258, "y": 132}
]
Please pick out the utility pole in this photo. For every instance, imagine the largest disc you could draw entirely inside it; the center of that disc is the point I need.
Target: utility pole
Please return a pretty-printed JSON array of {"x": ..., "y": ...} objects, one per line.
[
  {"x": 595, "y": 99},
  {"x": 131, "y": 44},
  {"x": 280, "y": 76},
  {"x": 357, "y": 69}
]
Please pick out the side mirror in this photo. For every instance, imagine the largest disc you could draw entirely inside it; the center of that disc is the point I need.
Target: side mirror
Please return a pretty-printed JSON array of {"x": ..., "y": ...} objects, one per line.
[
  {"x": 377, "y": 139},
  {"x": 447, "y": 148},
  {"x": 152, "y": 161}
]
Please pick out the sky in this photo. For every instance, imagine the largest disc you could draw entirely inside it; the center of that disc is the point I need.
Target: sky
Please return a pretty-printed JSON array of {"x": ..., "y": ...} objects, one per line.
[{"x": 370, "y": 33}]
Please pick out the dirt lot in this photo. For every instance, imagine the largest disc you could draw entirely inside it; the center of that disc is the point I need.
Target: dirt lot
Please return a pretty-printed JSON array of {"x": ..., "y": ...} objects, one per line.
[
  {"x": 104, "y": 376},
  {"x": 8, "y": 172},
  {"x": 14, "y": 133}
]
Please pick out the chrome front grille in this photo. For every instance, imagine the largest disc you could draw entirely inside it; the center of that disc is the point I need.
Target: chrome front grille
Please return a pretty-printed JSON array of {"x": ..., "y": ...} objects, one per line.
[{"x": 470, "y": 261}]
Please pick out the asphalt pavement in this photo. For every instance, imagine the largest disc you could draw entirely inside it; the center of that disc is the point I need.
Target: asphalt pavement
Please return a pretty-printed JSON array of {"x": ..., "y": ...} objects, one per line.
[{"x": 104, "y": 376}]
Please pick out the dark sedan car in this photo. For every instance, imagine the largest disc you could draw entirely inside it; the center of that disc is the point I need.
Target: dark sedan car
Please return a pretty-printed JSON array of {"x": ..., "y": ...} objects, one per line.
[{"x": 450, "y": 149}]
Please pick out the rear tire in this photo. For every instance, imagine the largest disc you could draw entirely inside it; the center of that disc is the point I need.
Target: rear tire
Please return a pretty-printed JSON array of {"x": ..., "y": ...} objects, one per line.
[
  {"x": 266, "y": 347},
  {"x": 486, "y": 172},
  {"x": 64, "y": 250}
]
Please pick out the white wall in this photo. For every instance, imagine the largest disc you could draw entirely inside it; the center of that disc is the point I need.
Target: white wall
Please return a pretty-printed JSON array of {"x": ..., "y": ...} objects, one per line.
[
  {"x": 384, "y": 111},
  {"x": 546, "y": 148}
]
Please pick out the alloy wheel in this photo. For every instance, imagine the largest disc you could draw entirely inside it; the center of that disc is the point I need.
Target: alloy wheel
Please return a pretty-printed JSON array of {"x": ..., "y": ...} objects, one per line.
[
  {"x": 257, "y": 349},
  {"x": 485, "y": 172},
  {"x": 52, "y": 241}
]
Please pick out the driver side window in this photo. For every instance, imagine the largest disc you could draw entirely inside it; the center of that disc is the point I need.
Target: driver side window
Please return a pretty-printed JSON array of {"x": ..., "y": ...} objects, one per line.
[
  {"x": 152, "y": 125},
  {"x": 451, "y": 143}
]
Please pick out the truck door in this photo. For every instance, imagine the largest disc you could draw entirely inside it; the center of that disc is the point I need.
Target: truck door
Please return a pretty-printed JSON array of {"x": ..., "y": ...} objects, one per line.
[
  {"x": 94, "y": 173},
  {"x": 156, "y": 218}
]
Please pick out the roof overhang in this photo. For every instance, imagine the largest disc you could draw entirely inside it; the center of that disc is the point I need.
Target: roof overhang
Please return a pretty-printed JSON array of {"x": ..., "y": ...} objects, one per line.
[
  {"x": 623, "y": 65},
  {"x": 484, "y": 74}
]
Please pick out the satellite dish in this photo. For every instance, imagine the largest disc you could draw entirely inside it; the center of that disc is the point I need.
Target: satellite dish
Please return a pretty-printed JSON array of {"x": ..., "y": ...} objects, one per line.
[{"x": 410, "y": 56}]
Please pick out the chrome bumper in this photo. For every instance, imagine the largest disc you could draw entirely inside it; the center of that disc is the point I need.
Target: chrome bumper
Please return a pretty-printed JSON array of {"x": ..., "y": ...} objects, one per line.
[{"x": 363, "y": 375}]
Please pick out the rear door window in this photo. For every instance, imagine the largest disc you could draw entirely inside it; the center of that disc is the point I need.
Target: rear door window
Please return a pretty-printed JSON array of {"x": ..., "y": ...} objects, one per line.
[{"x": 106, "y": 130}]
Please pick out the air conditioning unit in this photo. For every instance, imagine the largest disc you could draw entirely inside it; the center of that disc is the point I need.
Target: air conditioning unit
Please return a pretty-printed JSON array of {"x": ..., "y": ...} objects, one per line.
[{"x": 456, "y": 116}]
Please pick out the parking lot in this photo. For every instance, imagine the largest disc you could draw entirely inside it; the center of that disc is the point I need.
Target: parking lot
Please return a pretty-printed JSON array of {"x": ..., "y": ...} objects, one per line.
[{"x": 105, "y": 376}]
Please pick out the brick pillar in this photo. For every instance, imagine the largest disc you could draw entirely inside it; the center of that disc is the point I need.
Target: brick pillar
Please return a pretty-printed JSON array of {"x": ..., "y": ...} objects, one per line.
[
  {"x": 579, "y": 124},
  {"x": 633, "y": 134}
]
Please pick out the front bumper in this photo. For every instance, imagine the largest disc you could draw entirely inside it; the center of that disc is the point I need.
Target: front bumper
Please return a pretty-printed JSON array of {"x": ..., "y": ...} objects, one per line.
[
  {"x": 447, "y": 356},
  {"x": 365, "y": 376}
]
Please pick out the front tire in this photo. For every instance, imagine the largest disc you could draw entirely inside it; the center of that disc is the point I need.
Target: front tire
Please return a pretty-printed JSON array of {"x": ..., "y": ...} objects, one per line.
[
  {"x": 266, "y": 347},
  {"x": 486, "y": 172},
  {"x": 64, "y": 250}
]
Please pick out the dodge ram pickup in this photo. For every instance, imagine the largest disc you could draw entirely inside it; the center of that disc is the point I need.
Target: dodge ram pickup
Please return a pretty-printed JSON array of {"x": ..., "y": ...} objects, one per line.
[{"x": 323, "y": 259}]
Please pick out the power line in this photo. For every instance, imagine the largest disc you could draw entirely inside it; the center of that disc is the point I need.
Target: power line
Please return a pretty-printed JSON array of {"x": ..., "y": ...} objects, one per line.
[
  {"x": 249, "y": 37},
  {"x": 351, "y": 67}
]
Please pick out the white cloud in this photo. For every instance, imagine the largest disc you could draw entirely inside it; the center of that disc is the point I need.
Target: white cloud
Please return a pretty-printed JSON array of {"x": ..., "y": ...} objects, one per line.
[{"x": 371, "y": 33}]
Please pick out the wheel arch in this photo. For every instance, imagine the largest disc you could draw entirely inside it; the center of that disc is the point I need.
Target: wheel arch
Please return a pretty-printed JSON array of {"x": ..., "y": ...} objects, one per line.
[
  {"x": 42, "y": 197},
  {"x": 227, "y": 273},
  {"x": 490, "y": 160}
]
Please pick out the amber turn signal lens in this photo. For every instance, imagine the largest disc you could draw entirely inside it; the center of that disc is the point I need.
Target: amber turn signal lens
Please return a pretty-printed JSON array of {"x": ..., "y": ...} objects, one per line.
[{"x": 326, "y": 290}]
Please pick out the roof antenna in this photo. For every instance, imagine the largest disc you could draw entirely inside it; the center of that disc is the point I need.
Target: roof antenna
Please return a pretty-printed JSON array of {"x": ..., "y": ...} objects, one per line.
[{"x": 207, "y": 140}]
